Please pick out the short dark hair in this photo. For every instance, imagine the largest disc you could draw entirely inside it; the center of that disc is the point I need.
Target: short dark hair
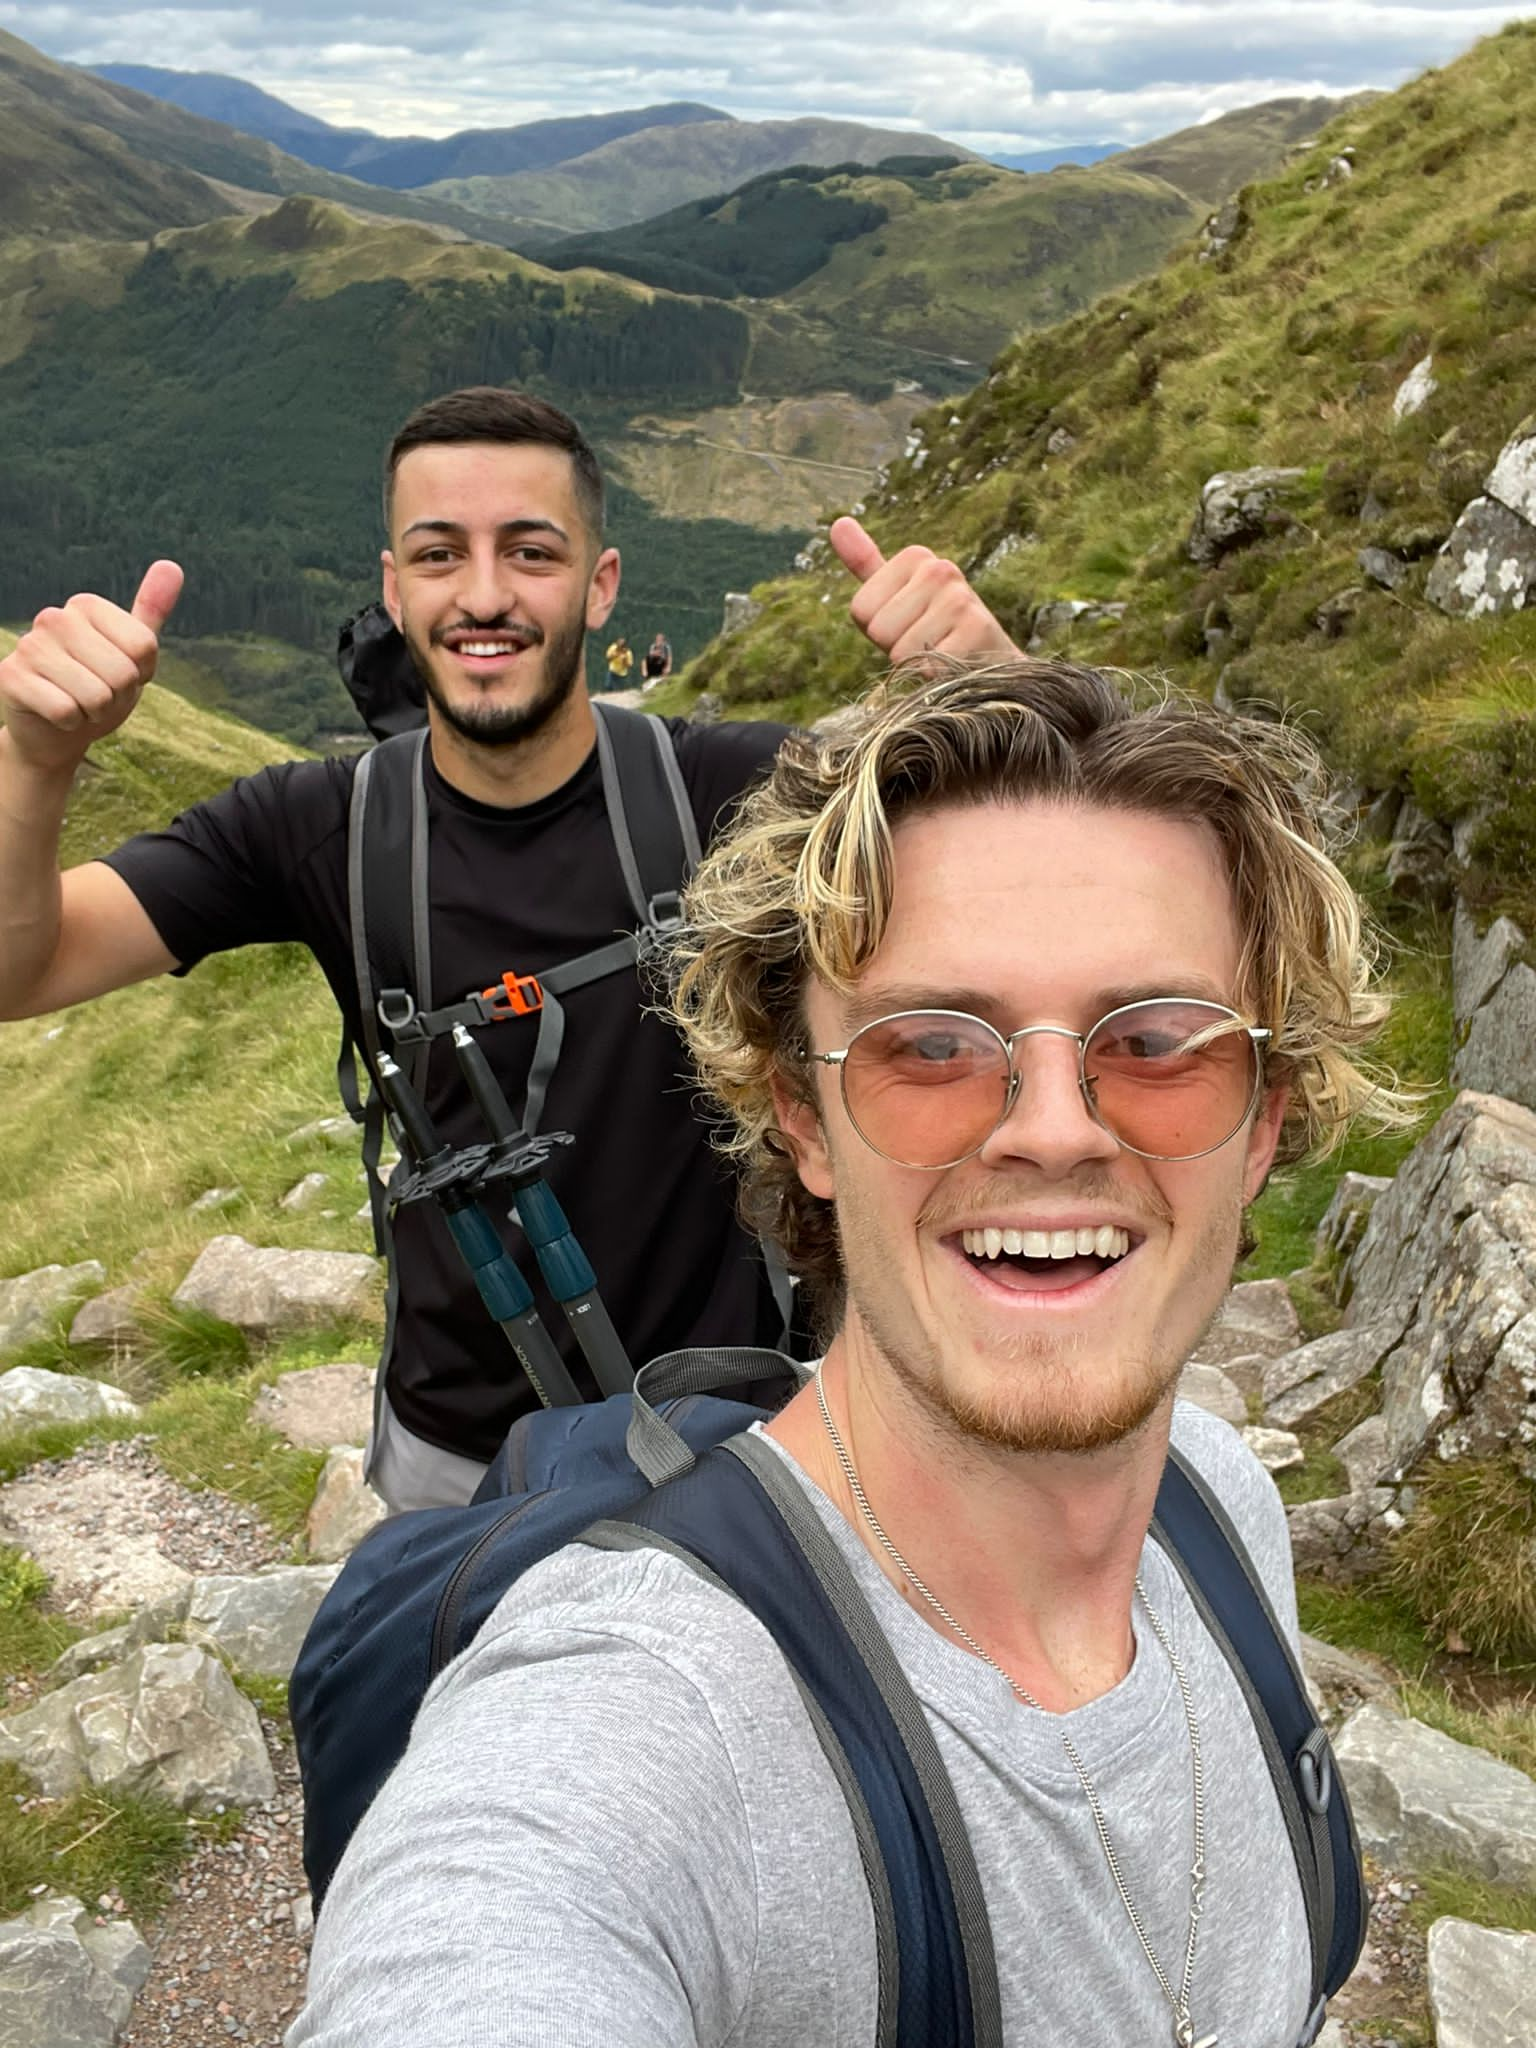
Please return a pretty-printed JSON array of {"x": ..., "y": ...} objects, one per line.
[{"x": 489, "y": 412}]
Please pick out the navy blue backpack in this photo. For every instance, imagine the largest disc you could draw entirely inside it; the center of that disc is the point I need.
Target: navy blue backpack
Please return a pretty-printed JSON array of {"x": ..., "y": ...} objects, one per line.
[{"x": 672, "y": 1466}]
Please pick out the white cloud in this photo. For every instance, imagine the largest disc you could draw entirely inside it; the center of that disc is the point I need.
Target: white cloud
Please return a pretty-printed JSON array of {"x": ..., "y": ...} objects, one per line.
[{"x": 995, "y": 73}]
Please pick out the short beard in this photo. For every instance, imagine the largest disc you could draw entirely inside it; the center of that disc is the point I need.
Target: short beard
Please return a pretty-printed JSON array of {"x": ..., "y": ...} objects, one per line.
[
  {"x": 1055, "y": 1408},
  {"x": 485, "y": 724}
]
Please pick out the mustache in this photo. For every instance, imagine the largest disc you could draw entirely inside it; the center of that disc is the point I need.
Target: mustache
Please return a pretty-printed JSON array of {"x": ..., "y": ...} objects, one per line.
[
  {"x": 522, "y": 630},
  {"x": 953, "y": 1209}
]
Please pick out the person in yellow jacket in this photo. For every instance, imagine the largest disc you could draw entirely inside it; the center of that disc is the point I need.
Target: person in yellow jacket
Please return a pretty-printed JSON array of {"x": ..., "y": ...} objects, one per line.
[{"x": 621, "y": 659}]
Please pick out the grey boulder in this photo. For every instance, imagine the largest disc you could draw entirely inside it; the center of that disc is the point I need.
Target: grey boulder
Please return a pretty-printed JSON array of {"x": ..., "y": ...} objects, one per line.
[
  {"x": 320, "y": 1405},
  {"x": 1257, "y": 1319},
  {"x": 1208, "y": 1387},
  {"x": 1344, "y": 1538},
  {"x": 30, "y": 1394},
  {"x": 1482, "y": 1985},
  {"x": 345, "y": 1507},
  {"x": 1487, "y": 566},
  {"x": 1495, "y": 1003},
  {"x": 264, "y": 1290},
  {"x": 166, "y": 1723},
  {"x": 30, "y": 1301},
  {"x": 64, "y": 1981},
  {"x": 107, "y": 1321},
  {"x": 1421, "y": 1799},
  {"x": 258, "y": 1619},
  {"x": 1309, "y": 1377}
]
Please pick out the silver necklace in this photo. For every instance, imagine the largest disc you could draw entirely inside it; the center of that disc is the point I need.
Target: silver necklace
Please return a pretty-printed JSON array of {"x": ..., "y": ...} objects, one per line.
[{"x": 1178, "y": 2001}]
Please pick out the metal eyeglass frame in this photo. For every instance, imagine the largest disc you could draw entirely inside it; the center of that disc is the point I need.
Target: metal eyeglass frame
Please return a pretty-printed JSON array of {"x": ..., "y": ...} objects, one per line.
[{"x": 1258, "y": 1034}]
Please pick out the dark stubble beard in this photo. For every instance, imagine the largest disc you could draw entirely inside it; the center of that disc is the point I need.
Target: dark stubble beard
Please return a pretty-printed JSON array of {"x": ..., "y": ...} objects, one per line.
[{"x": 488, "y": 724}]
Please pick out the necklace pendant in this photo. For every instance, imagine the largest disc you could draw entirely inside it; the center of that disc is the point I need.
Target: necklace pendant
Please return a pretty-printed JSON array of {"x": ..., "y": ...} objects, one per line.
[{"x": 1184, "y": 2035}]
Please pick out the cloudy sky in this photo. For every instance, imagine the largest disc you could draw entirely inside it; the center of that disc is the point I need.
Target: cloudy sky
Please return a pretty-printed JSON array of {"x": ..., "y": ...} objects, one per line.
[{"x": 994, "y": 74}]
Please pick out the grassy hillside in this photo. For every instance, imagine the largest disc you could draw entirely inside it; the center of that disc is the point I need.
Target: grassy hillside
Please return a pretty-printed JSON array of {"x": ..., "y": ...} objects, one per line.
[
  {"x": 951, "y": 258},
  {"x": 639, "y": 175},
  {"x": 1285, "y": 349},
  {"x": 1214, "y": 158}
]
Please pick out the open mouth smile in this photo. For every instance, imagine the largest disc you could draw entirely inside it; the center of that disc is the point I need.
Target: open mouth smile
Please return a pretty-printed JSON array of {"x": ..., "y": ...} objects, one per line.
[
  {"x": 1058, "y": 1262},
  {"x": 482, "y": 653}
]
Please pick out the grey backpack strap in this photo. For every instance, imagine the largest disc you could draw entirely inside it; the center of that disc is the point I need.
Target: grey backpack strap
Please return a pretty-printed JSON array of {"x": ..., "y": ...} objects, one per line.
[{"x": 387, "y": 885}]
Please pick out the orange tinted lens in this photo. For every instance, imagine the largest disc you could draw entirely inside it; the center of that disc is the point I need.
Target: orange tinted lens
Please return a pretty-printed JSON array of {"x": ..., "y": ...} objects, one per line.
[
  {"x": 926, "y": 1089},
  {"x": 1172, "y": 1079}
]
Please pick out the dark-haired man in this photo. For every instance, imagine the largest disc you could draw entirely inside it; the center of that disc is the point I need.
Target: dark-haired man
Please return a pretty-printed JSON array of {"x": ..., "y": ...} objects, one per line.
[{"x": 496, "y": 569}]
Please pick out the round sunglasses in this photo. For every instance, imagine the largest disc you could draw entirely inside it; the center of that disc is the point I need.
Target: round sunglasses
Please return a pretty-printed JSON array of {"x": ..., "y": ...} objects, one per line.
[{"x": 1171, "y": 1078}]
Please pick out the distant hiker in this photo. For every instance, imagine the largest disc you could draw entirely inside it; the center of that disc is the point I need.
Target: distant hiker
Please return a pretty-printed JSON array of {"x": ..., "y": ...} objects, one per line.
[
  {"x": 495, "y": 571},
  {"x": 658, "y": 659},
  {"x": 1012, "y": 994},
  {"x": 621, "y": 660}
]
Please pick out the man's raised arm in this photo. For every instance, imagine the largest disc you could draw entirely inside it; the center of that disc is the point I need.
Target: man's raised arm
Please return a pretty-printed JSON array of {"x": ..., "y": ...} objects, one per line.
[{"x": 68, "y": 683}]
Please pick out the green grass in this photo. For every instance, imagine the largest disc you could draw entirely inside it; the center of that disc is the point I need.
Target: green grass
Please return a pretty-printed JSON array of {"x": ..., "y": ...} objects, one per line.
[
  {"x": 30, "y": 1637},
  {"x": 92, "y": 1843},
  {"x": 1372, "y": 1616},
  {"x": 1466, "y": 1558},
  {"x": 1446, "y": 1894}
]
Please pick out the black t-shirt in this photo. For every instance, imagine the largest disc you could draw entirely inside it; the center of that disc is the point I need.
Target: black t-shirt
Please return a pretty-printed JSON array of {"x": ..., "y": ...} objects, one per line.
[{"x": 520, "y": 889}]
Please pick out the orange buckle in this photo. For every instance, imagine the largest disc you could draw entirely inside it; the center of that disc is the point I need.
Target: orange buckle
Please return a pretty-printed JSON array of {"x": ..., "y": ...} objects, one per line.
[{"x": 520, "y": 992}]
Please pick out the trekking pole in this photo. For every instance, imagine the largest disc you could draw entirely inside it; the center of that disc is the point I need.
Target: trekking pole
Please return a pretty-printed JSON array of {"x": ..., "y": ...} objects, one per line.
[
  {"x": 502, "y": 1288},
  {"x": 564, "y": 1264}
]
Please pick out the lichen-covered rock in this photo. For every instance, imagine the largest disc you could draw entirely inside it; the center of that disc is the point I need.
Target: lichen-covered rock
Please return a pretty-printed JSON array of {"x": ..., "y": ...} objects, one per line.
[
  {"x": 258, "y": 1619},
  {"x": 64, "y": 1981},
  {"x": 167, "y": 1723},
  {"x": 1237, "y": 507},
  {"x": 1482, "y": 1985},
  {"x": 1421, "y": 1799},
  {"x": 1512, "y": 479},
  {"x": 30, "y": 1301},
  {"x": 1345, "y": 1538},
  {"x": 1487, "y": 566},
  {"x": 266, "y": 1291},
  {"x": 30, "y": 1394},
  {"x": 1344, "y": 1220},
  {"x": 1305, "y": 1379},
  {"x": 1494, "y": 994},
  {"x": 1444, "y": 1283},
  {"x": 345, "y": 1507}
]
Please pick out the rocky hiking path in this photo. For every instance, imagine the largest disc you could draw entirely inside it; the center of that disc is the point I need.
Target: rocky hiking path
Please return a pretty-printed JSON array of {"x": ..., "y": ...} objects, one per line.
[
  {"x": 198, "y": 1605},
  {"x": 186, "y": 1591}
]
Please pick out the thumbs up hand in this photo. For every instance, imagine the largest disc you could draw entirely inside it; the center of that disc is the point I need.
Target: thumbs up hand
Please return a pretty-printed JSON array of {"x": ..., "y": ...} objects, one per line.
[
  {"x": 79, "y": 673},
  {"x": 915, "y": 603}
]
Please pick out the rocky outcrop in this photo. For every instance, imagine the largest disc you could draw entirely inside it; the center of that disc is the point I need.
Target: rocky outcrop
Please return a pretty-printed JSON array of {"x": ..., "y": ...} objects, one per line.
[
  {"x": 1344, "y": 1538},
  {"x": 1054, "y": 623},
  {"x": 30, "y": 1394},
  {"x": 1421, "y": 1800},
  {"x": 1304, "y": 1380},
  {"x": 1345, "y": 1218},
  {"x": 739, "y": 610},
  {"x": 1208, "y": 1387},
  {"x": 1419, "y": 859},
  {"x": 268, "y": 1292},
  {"x": 66, "y": 1982},
  {"x": 1256, "y": 1321},
  {"x": 29, "y": 1302},
  {"x": 1482, "y": 1985},
  {"x": 1238, "y": 507},
  {"x": 1443, "y": 1288},
  {"x": 1494, "y": 994},
  {"x": 1488, "y": 564},
  {"x": 167, "y": 1723}
]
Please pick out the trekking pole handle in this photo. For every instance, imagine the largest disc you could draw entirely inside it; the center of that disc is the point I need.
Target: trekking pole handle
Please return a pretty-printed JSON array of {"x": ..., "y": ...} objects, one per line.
[
  {"x": 486, "y": 1089},
  {"x": 418, "y": 1135}
]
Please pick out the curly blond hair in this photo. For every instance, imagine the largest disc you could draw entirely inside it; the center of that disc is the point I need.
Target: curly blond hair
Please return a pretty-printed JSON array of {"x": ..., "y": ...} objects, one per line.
[{"x": 801, "y": 887}]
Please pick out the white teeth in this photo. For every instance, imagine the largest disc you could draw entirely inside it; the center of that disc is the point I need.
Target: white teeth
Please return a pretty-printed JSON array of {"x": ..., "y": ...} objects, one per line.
[
  {"x": 490, "y": 648},
  {"x": 1105, "y": 1242}
]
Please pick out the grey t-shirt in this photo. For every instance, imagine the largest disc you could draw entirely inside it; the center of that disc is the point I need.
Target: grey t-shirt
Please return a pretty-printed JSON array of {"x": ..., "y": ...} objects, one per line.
[{"x": 615, "y": 1828}]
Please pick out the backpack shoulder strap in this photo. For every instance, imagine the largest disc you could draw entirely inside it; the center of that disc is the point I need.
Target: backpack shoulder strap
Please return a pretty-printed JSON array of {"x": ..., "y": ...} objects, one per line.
[
  {"x": 648, "y": 810},
  {"x": 389, "y": 929},
  {"x": 1197, "y": 1533},
  {"x": 743, "y": 1522}
]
